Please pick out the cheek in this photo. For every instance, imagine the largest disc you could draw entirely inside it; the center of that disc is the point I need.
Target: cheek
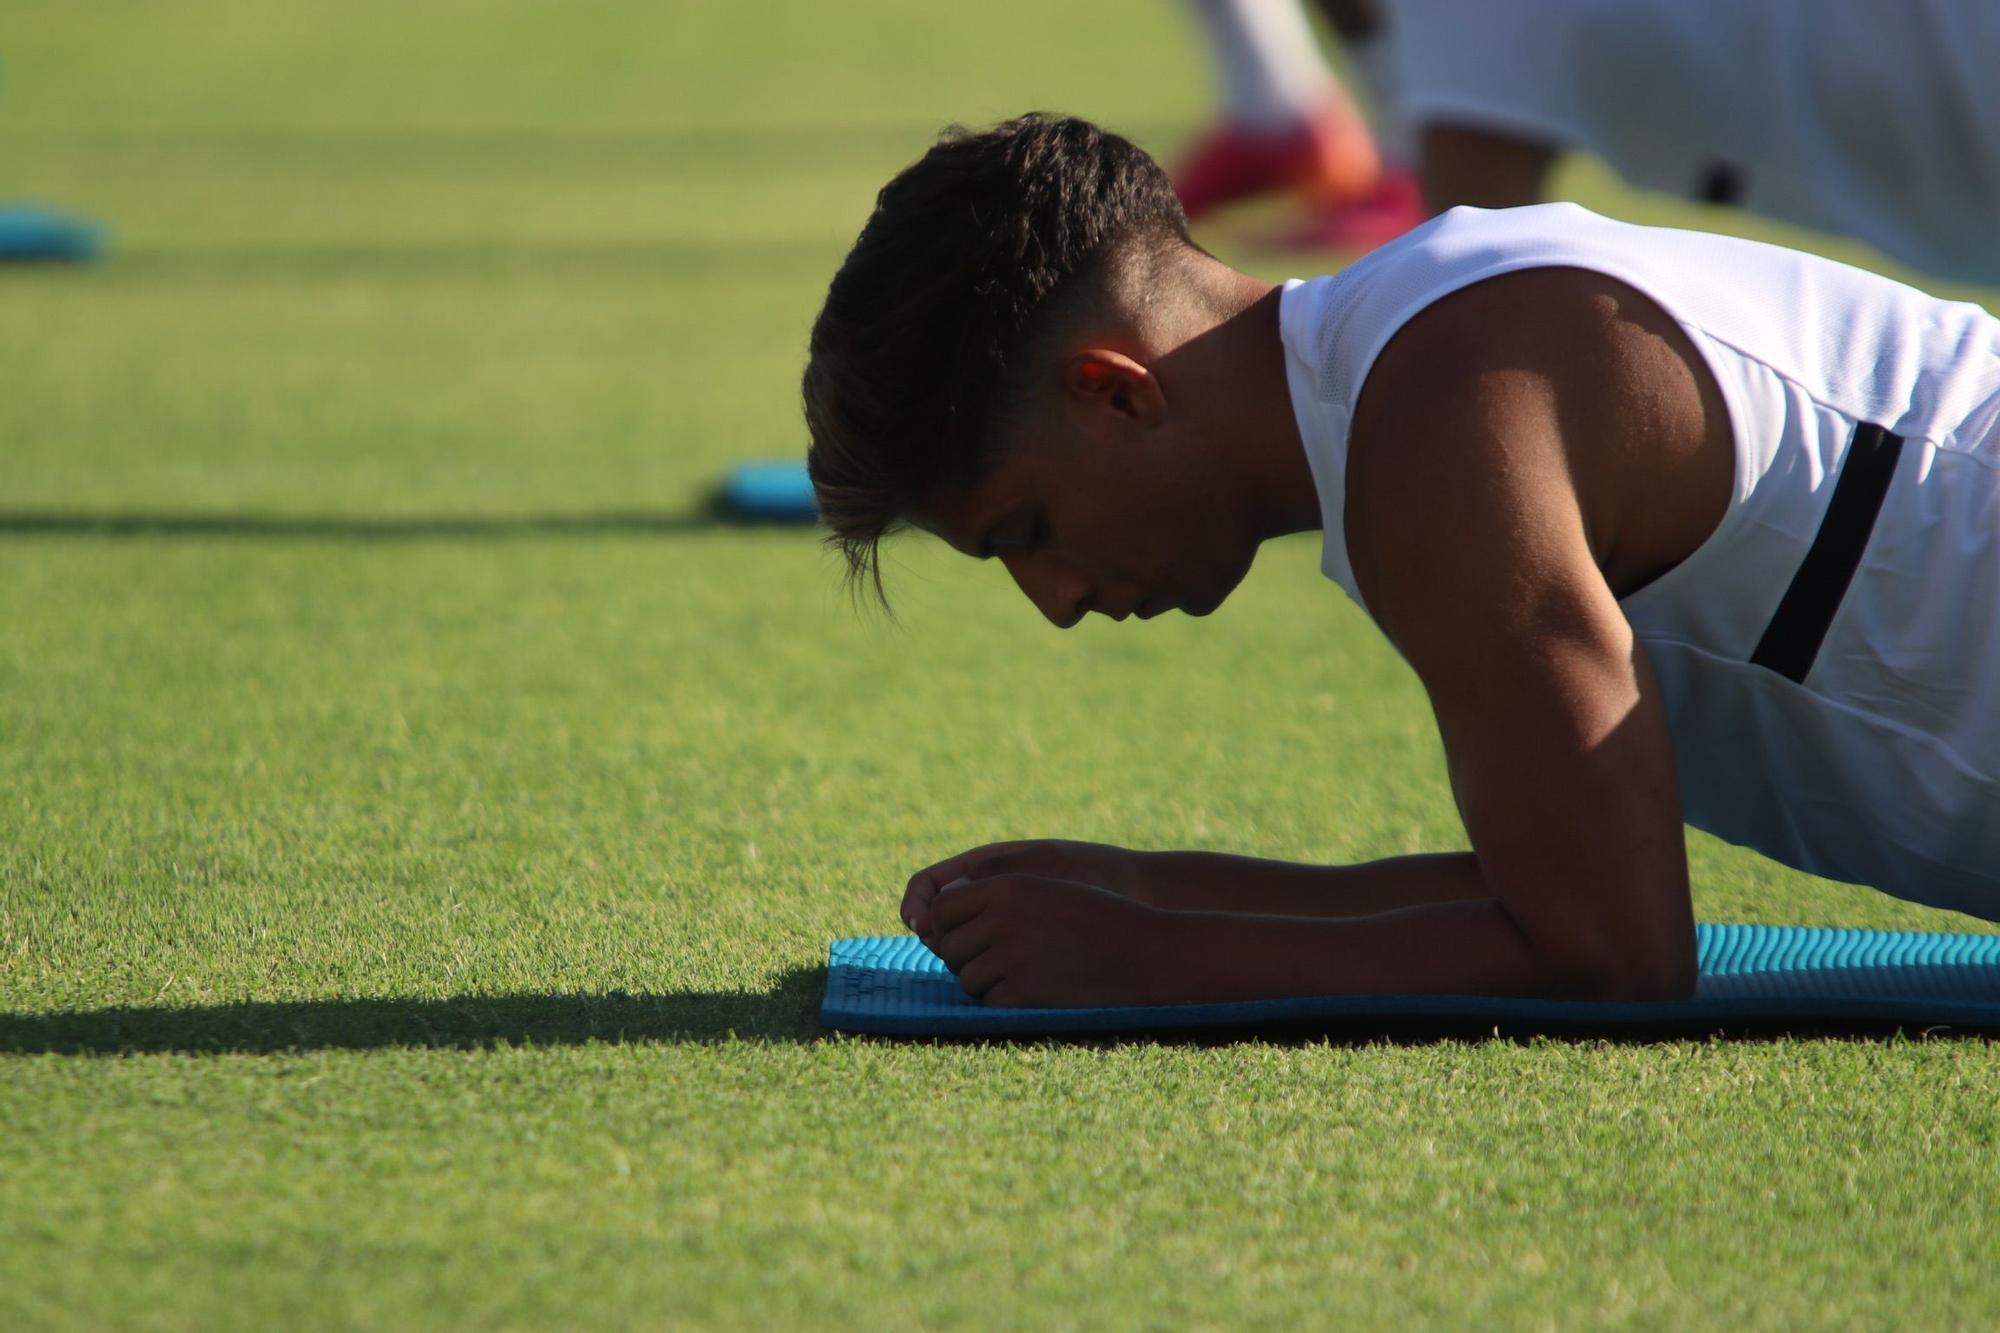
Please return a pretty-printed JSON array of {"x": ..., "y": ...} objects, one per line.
[{"x": 1135, "y": 530}]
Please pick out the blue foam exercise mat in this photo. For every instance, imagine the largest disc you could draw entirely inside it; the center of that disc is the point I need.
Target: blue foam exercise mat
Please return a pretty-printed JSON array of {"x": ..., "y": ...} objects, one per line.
[
  {"x": 770, "y": 492},
  {"x": 1751, "y": 976},
  {"x": 30, "y": 233}
]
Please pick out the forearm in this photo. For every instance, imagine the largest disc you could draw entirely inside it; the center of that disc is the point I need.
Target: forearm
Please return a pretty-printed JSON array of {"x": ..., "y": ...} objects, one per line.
[
  {"x": 1469, "y": 947},
  {"x": 1216, "y": 881}
]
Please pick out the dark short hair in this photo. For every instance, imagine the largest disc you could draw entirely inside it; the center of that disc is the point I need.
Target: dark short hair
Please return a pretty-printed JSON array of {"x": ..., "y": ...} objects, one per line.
[{"x": 918, "y": 351}]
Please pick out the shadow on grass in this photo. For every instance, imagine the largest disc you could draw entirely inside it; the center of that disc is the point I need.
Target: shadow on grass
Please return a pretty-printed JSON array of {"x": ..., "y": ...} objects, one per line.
[
  {"x": 454, "y": 260},
  {"x": 142, "y": 523},
  {"x": 788, "y": 1012}
]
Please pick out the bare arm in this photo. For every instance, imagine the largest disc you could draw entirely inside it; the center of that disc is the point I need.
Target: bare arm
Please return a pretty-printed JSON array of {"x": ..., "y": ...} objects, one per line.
[
  {"x": 1021, "y": 941},
  {"x": 1200, "y": 881},
  {"x": 1481, "y": 511},
  {"x": 1218, "y": 881}
]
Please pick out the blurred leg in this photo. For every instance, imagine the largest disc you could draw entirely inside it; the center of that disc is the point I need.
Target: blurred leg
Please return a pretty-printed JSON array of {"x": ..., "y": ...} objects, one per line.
[
  {"x": 1269, "y": 66},
  {"x": 1481, "y": 168},
  {"x": 1394, "y": 204},
  {"x": 1364, "y": 36},
  {"x": 1288, "y": 125}
]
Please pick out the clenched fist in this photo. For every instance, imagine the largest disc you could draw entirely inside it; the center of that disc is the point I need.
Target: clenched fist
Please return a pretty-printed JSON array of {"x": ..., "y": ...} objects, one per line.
[
  {"x": 1026, "y": 941},
  {"x": 1113, "y": 869}
]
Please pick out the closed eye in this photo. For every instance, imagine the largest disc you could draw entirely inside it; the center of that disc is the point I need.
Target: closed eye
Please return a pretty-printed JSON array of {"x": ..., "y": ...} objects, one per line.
[{"x": 1037, "y": 535}]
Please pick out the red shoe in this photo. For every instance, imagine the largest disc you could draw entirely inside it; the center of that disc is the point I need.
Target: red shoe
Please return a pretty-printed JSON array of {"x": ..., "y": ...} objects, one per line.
[
  {"x": 1329, "y": 158},
  {"x": 1394, "y": 206}
]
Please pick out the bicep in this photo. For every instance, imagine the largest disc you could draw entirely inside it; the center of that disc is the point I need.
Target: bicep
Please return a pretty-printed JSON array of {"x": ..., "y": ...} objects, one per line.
[{"x": 1472, "y": 549}]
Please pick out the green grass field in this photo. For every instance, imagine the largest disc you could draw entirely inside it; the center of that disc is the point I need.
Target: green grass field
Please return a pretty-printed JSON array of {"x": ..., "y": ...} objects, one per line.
[{"x": 419, "y": 837}]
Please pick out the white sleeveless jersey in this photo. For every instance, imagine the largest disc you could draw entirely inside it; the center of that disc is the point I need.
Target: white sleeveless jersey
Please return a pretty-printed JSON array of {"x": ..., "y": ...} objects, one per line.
[
  {"x": 1878, "y": 119},
  {"x": 1832, "y": 683}
]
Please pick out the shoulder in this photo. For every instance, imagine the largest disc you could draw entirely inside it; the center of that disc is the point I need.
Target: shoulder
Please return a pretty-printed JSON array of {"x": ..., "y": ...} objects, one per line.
[
  {"x": 1543, "y": 396},
  {"x": 1566, "y": 325}
]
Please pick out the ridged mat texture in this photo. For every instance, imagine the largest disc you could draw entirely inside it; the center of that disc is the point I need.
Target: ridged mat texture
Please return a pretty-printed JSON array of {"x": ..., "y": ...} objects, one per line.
[{"x": 1751, "y": 976}]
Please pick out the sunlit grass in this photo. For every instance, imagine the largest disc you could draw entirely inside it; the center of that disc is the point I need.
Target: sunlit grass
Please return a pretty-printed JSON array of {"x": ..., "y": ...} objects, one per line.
[{"x": 424, "y": 920}]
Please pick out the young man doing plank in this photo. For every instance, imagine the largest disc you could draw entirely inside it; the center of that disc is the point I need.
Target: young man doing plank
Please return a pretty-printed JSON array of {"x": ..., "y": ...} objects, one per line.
[{"x": 1671, "y": 526}]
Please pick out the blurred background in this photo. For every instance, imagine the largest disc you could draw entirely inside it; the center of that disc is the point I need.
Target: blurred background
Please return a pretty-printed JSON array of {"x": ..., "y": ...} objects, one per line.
[
  {"x": 486, "y": 257},
  {"x": 500, "y": 257}
]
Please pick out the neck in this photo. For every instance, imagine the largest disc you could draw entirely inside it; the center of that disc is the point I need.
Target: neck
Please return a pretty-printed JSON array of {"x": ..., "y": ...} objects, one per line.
[{"x": 1252, "y": 401}]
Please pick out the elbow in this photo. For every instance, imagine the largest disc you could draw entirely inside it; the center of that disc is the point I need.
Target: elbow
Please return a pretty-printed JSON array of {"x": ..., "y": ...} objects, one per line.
[
  {"x": 1650, "y": 982},
  {"x": 1626, "y": 970}
]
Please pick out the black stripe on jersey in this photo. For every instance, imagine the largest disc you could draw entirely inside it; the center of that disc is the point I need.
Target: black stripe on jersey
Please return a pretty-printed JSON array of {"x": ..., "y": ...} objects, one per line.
[
  {"x": 1721, "y": 182},
  {"x": 1791, "y": 641}
]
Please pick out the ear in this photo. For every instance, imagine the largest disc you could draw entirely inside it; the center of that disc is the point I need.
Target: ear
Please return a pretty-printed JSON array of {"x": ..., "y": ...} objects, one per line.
[{"x": 1099, "y": 380}]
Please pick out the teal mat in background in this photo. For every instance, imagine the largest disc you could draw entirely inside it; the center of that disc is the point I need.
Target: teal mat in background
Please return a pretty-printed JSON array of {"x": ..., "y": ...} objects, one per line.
[
  {"x": 1751, "y": 976},
  {"x": 30, "y": 234},
  {"x": 777, "y": 491}
]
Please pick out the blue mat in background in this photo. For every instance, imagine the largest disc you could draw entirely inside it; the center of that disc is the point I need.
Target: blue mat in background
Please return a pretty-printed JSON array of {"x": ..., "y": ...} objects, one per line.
[
  {"x": 778, "y": 491},
  {"x": 1751, "y": 976},
  {"x": 32, "y": 234}
]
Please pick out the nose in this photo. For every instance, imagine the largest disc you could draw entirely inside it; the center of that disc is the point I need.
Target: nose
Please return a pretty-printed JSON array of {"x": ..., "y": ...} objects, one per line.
[{"x": 1058, "y": 592}]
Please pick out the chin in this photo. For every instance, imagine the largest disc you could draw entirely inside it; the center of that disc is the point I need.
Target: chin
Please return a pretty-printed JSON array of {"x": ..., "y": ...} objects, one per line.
[
  {"x": 1207, "y": 605},
  {"x": 1202, "y": 606}
]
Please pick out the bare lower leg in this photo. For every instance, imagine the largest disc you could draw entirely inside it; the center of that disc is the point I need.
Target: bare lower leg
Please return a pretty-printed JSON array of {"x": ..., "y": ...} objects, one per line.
[{"x": 1460, "y": 165}]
